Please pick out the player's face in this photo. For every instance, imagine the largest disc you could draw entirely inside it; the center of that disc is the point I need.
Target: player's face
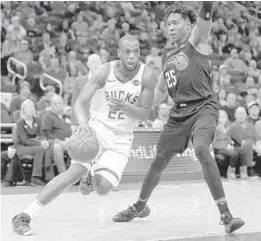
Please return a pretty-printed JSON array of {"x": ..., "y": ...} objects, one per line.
[
  {"x": 129, "y": 54},
  {"x": 177, "y": 26}
]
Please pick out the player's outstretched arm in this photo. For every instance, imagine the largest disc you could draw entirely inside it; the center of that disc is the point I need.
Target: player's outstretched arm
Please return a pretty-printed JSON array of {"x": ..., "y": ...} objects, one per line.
[
  {"x": 161, "y": 90},
  {"x": 201, "y": 31},
  {"x": 82, "y": 103}
]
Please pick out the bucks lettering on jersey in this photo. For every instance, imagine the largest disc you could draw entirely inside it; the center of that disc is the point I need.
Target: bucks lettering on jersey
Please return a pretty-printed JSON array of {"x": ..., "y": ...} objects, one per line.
[{"x": 128, "y": 92}]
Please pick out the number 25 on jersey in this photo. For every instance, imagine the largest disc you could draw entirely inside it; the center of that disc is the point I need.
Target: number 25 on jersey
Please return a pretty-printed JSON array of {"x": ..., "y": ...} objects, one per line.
[{"x": 170, "y": 78}]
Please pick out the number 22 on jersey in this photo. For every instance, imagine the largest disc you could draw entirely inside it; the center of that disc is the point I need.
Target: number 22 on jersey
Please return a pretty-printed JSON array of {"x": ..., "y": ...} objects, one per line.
[{"x": 170, "y": 78}]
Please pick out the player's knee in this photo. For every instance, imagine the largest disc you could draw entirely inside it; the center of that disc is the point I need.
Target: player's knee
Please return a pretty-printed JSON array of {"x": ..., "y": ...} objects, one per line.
[
  {"x": 202, "y": 152},
  {"x": 75, "y": 173},
  {"x": 160, "y": 162},
  {"x": 102, "y": 185}
]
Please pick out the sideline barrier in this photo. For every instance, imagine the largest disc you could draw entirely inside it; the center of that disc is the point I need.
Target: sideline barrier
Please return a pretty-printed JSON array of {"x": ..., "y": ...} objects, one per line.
[
  {"x": 11, "y": 71},
  {"x": 144, "y": 151},
  {"x": 58, "y": 82}
]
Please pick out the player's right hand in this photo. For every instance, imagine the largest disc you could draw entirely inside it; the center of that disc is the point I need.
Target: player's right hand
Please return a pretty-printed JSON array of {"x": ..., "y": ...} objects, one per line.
[{"x": 82, "y": 128}]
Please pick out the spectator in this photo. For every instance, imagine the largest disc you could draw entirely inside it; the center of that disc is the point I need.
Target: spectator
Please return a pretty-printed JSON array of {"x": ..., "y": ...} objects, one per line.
[
  {"x": 230, "y": 106},
  {"x": 82, "y": 49},
  {"x": 163, "y": 116},
  {"x": 56, "y": 126},
  {"x": 25, "y": 93},
  {"x": 55, "y": 71},
  {"x": 244, "y": 136},
  {"x": 258, "y": 100},
  {"x": 44, "y": 103},
  {"x": 11, "y": 45},
  {"x": 111, "y": 37},
  {"x": 253, "y": 112},
  {"x": 62, "y": 48},
  {"x": 224, "y": 77},
  {"x": 24, "y": 55},
  {"x": 67, "y": 30},
  {"x": 125, "y": 29},
  {"x": 235, "y": 64},
  {"x": 222, "y": 97},
  {"x": 45, "y": 57},
  {"x": 223, "y": 144},
  {"x": 46, "y": 42},
  {"x": 253, "y": 71},
  {"x": 79, "y": 27},
  {"x": 30, "y": 141},
  {"x": 50, "y": 30},
  {"x": 72, "y": 61},
  {"x": 250, "y": 86},
  {"x": 17, "y": 28},
  {"x": 31, "y": 29}
]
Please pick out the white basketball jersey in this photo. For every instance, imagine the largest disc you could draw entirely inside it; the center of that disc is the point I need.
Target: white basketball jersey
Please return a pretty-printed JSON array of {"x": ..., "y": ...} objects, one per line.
[{"x": 129, "y": 92}]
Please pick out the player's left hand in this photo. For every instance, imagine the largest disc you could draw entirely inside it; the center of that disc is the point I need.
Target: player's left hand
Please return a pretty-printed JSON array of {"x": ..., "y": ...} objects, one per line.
[{"x": 117, "y": 104}]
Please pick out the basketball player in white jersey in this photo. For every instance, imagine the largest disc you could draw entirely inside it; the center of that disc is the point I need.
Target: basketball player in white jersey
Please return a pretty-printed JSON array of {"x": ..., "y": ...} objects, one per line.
[{"x": 128, "y": 88}]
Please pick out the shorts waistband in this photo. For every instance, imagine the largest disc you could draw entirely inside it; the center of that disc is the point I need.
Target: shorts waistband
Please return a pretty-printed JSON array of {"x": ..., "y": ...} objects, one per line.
[{"x": 191, "y": 103}]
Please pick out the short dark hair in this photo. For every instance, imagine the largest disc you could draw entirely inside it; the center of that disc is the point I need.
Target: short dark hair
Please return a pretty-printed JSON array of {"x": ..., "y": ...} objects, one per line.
[{"x": 184, "y": 11}]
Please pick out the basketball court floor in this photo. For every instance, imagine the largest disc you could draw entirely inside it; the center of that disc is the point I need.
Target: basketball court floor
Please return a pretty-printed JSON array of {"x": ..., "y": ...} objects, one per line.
[{"x": 181, "y": 211}]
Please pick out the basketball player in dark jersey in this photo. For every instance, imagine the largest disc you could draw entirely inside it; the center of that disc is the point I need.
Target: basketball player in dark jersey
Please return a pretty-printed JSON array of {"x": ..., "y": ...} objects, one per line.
[{"x": 186, "y": 77}]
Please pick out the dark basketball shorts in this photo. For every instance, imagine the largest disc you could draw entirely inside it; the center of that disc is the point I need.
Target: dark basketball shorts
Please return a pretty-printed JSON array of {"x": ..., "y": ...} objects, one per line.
[{"x": 180, "y": 130}]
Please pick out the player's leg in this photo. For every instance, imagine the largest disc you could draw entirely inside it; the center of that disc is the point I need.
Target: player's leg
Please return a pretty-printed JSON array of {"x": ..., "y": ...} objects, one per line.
[
  {"x": 202, "y": 135},
  {"x": 174, "y": 139},
  {"x": 108, "y": 171},
  {"x": 51, "y": 191}
]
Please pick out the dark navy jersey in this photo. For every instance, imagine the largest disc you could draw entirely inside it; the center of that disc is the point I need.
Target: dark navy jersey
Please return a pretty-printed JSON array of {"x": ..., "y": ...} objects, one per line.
[{"x": 187, "y": 73}]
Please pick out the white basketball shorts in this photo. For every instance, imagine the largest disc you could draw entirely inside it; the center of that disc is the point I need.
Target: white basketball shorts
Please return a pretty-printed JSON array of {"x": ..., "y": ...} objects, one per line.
[{"x": 113, "y": 155}]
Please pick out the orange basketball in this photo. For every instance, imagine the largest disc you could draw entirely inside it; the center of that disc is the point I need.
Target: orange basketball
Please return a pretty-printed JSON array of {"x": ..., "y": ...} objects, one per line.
[{"x": 83, "y": 147}]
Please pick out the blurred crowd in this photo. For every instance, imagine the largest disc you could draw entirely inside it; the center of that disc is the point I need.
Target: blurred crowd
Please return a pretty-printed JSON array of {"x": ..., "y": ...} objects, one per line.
[{"x": 68, "y": 40}]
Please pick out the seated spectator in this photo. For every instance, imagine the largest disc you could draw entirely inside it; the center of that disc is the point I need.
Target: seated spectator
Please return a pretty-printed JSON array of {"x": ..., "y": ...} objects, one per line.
[
  {"x": 125, "y": 29},
  {"x": 56, "y": 126},
  {"x": 44, "y": 103},
  {"x": 10, "y": 46},
  {"x": 61, "y": 47},
  {"x": 223, "y": 144},
  {"x": 163, "y": 116},
  {"x": 82, "y": 49},
  {"x": 258, "y": 129},
  {"x": 234, "y": 64},
  {"x": 72, "y": 61},
  {"x": 50, "y": 30},
  {"x": 32, "y": 30},
  {"x": 230, "y": 106},
  {"x": 25, "y": 93},
  {"x": 79, "y": 27},
  {"x": 258, "y": 100},
  {"x": 111, "y": 37},
  {"x": 26, "y": 9},
  {"x": 45, "y": 57},
  {"x": 30, "y": 141},
  {"x": 66, "y": 30},
  {"x": 24, "y": 55},
  {"x": 10, "y": 168},
  {"x": 55, "y": 71},
  {"x": 253, "y": 112},
  {"x": 250, "y": 86},
  {"x": 244, "y": 136},
  {"x": 17, "y": 28},
  {"x": 45, "y": 43},
  {"x": 224, "y": 77},
  {"x": 253, "y": 71}
]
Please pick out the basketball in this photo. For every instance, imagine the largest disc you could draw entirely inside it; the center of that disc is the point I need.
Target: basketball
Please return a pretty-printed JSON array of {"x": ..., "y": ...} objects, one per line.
[{"x": 83, "y": 147}]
